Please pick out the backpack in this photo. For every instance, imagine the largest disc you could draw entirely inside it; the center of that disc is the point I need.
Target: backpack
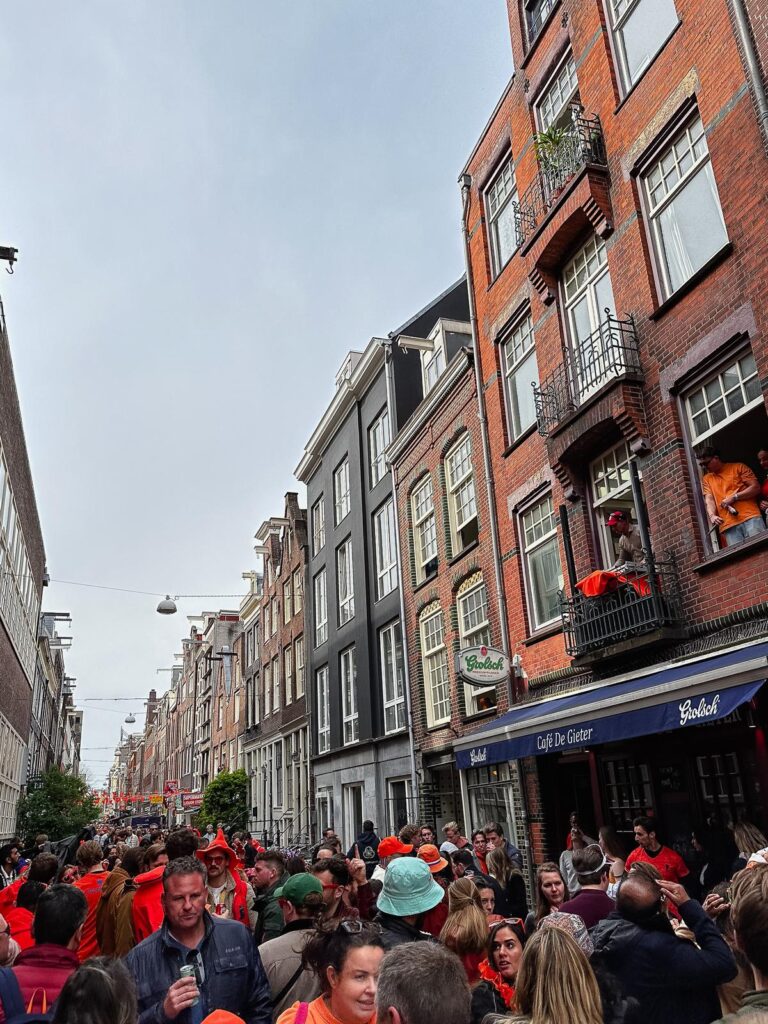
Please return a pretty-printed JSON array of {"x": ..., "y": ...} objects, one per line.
[{"x": 13, "y": 1003}]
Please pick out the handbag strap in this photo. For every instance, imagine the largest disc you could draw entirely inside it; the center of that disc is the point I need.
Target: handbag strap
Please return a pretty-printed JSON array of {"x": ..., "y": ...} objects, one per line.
[
  {"x": 276, "y": 1000},
  {"x": 301, "y": 1013}
]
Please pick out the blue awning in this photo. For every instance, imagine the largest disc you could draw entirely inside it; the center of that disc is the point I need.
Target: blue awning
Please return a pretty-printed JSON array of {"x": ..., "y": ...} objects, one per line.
[{"x": 678, "y": 696}]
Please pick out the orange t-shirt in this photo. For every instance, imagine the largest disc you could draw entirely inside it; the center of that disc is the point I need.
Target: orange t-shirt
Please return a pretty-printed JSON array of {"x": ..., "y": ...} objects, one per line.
[
  {"x": 90, "y": 886},
  {"x": 318, "y": 1012},
  {"x": 734, "y": 476}
]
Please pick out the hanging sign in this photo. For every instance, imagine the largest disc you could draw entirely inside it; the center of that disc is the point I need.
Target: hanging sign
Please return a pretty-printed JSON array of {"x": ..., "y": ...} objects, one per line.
[{"x": 482, "y": 666}]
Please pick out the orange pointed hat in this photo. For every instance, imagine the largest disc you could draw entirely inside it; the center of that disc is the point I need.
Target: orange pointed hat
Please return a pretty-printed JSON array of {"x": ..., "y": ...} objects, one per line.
[{"x": 219, "y": 843}]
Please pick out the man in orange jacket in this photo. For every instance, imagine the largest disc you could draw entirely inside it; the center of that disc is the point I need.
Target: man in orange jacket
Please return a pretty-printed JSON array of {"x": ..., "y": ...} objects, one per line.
[
  {"x": 229, "y": 895},
  {"x": 147, "y": 910}
]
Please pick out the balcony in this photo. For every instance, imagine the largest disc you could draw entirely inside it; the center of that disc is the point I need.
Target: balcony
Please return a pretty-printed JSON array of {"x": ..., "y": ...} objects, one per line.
[
  {"x": 563, "y": 153},
  {"x": 609, "y": 353},
  {"x": 644, "y": 611}
]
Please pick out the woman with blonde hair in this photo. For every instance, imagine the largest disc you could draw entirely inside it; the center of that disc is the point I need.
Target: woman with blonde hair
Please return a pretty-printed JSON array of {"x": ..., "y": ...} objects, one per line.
[
  {"x": 749, "y": 839},
  {"x": 555, "y": 983},
  {"x": 465, "y": 931},
  {"x": 511, "y": 898},
  {"x": 551, "y": 893}
]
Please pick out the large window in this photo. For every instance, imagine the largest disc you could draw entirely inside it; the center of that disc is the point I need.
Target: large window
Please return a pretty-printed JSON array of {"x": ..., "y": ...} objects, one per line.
[
  {"x": 274, "y": 614},
  {"x": 351, "y": 727},
  {"x": 723, "y": 397},
  {"x": 288, "y": 673},
  {"x": 392, "y": 677},
  {"x": 432, "y": 364},
  {"x": 287, "y": 602},
  {"x": 378, "y": 439},
  {"x": 341, "y": 492},
  {"x": 265, "y": 621},
  {"x": 267, "y": 674},
  {"x": 435, "y": 665},
  {"x": 276, "y": 704},
  {"x": 321, "y": 609},
  {"x": 475, "y": 630},
  {"x": 588, "y": 295},
  {"x": 520, "y": 374},
  {"x": 385, "y": 549},
  {"x": 544, "y": 575},
  {"x": 298, "y": 658},
  {"x": 19, "y": 600},
  {"x": 554, "y": 106},
  {"x": 686, "y": 221},
  {"x": 537, "y": 12},
  {"x": 424, "y": 530},
  {"x": 500, "y": 199},
  {"x": 298, "y": 591},
  {"x": 611, "y": 492},
  {"x": 461, "y": 495},
  {"x": 345, "y": 581},
  {"x": 318, "y": 525},
  {"x": 640, "y": 29},
  {"x": 352, "y": 798},
  {"x": 323, "y": 711}
]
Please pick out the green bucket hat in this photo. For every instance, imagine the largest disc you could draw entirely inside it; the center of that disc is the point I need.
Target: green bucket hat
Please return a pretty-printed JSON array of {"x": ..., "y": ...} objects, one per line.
[
  {"x": 298, "y": 887},
  {"x": 409, "y": 888}
]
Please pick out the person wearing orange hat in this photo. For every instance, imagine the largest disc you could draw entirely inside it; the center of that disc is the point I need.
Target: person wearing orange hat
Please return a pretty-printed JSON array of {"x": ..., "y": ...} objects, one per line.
[
  {"x": 229, "y": 895},
  {"x": 434, "y": 920}
]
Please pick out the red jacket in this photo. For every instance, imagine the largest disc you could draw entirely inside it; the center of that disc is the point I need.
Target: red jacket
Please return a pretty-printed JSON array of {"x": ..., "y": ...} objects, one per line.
[
  {"x": 239, "y": 903},
  {"x": 43, "y": 969},
  {"x": 20, "y": 920},
  {"x": 147, "y": 909},
  {"x": 90, "y": 885},
  {"x": 9, "y": 893}
]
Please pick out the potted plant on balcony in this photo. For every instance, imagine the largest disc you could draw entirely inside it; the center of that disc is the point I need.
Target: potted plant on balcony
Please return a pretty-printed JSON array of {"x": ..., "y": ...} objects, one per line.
[{"x": 553, "y": 147}]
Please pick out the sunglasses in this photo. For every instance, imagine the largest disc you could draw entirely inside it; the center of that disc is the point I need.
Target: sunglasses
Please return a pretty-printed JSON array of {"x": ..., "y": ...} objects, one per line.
[
  {"x": 355, "y": 925},
  {"x": 509, "y": 921}
]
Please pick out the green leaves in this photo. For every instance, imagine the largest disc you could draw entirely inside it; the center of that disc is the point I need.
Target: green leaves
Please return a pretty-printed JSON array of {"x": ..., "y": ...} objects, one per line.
[
  {"x": 225, "y": 800},
  {"x": 59, "y": 805}
]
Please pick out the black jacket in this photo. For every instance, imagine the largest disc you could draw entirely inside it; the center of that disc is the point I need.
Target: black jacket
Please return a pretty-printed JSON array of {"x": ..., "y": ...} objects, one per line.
[
  {"x": 672, "y": 980},
  {"x": 234, "y": 976},
  {"x": 395, "y": 931},
  {"x": 486, "y": 999},
  {"x": 367, "y": 844}
]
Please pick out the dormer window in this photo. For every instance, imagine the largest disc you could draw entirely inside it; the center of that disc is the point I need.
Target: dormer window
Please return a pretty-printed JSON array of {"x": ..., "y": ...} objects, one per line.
[
  {"x": 433, "y": 364},
  {"x": 437, "y": 349}
]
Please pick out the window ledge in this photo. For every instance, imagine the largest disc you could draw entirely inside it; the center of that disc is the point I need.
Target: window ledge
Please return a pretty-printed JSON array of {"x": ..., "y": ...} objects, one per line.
[
  {"x": 463, "y": 552},
  {"x": 425, "y": 583},
  {"x": 439, "y": 726},
  {"x": 647, "y": 68},
  {"x": 543, "y": 634},
  {"x": 519, "y": 440},
  {"x": 725, "y": 555},
  {"x": 478, "y": 716},
  {"x": 690, "y": 284}
]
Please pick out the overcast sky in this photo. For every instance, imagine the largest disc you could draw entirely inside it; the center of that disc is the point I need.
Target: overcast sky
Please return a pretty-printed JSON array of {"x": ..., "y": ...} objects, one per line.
[{"x": 213, "y": 203}]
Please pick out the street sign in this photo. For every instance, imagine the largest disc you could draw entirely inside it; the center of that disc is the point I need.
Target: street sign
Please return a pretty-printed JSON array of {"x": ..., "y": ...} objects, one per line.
[
  {"x": 482, "y": 666},
  {"x": 192, "y": 801}
]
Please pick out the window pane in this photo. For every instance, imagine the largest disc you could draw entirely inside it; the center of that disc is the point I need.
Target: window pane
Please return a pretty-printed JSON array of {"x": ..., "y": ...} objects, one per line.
[
  {"x": 643, "y": 33},
  {"x": 692, "y": 227},
  {"x": 546, "y": 581}
]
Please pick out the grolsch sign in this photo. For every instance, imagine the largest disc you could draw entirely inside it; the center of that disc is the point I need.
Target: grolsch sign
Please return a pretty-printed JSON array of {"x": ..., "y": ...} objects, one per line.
[{"x": 482, "y": 666}]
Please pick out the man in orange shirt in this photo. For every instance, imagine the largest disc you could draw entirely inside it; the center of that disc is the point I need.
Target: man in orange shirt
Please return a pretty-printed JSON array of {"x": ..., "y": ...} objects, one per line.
[
  {"x": 649, "y": 850},
  {"x": 730, "y": 494},
  {"x": 89, "y": 858}
]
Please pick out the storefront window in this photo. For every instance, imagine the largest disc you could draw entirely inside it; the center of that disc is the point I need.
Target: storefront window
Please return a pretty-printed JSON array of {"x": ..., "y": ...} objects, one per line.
[
  {"x": 628, "y": 792},
  {"x": 490, "y": 796}
]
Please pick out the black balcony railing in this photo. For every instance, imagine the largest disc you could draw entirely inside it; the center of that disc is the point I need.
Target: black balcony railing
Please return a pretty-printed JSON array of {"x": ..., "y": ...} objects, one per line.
[
  {"x": 610, "y": 351},
  {"x": 593, "y": 623},
  {"x": 579, "y": 145},
  {"x": 537, "y": 15}
]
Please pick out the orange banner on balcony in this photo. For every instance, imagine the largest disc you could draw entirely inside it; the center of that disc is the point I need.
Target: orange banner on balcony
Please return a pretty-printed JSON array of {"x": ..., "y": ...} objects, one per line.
[{"x": 603, "y": 581}]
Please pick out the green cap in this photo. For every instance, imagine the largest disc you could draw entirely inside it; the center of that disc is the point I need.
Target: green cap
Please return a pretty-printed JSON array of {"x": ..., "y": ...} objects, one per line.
[{"x": 298, "y": 887}]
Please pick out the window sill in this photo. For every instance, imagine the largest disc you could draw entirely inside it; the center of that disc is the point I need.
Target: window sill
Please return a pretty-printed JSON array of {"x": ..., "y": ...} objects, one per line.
[
  {"x": 534, "y": 43},
  {"x": 440, "y": 725},
  {"x": 425, "y": 583},
  {"x": 479, "y": 716},
  {"x": 714, "y": 261},
  {"x": 732, "y": 554},
  {"x": 463, "y": 552},
  {"x": 544, "y": 633},
  {"x": 648, "y": 67},
  {"x": 519, "y": 440}
]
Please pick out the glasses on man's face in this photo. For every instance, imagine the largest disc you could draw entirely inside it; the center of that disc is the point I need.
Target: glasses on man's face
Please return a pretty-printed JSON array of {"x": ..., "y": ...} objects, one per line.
[{"x": 215, "y": 860}]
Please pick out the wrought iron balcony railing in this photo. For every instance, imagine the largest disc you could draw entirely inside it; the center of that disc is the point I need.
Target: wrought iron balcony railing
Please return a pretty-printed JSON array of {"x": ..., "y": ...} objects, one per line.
[
  {"x": 654, "y": 602},
  {"x": 581, "y": 144},
  {"x": 610, "y": 351},
  {"x": 537, "y": 15}
]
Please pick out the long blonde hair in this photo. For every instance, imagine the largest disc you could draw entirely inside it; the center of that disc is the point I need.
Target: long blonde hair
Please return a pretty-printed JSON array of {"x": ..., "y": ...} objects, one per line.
[
  {"x": 555, "y": 983},
  {"x": 466, "y": 927},
  {"x": 500, "y": 865},
  {"x": 748, "y": 837}
]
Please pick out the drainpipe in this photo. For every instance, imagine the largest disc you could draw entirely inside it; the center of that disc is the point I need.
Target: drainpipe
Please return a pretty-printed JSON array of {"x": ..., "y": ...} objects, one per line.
[
  {"x": 386, "y": 344},
  {"x": 523, "y": 836},
  {"x": 753, "y": 67}
]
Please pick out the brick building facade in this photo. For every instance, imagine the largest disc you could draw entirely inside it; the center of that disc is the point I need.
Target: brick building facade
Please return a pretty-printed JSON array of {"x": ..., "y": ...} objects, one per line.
[{"x": 617, "y": 261}]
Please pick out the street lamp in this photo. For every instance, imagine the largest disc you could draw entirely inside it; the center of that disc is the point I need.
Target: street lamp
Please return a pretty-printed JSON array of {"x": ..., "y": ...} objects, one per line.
[{"x": 168, "y": 605}]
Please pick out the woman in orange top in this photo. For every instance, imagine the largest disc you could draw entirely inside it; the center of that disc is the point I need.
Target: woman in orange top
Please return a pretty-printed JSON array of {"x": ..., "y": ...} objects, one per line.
[{"x": 346, "y": 960}]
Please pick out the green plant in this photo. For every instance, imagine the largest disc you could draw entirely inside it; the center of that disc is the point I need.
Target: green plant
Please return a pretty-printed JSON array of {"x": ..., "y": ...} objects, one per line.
[
  {"x": 225, "y": 799},
  {"x": 59, "y": 805},
  {"x": 550, "y": 146}
]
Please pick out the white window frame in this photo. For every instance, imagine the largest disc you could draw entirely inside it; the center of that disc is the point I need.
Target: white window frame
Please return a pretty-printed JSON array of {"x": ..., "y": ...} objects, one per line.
[
  {"x": 298, "y": 591},
  {"x": 688, "y": 142},
  {"x": 341, "y": 500},
  {"x": 318, "y": 525},
  {"x": 619, "y": 14},
  {"x": 288, "y": 672},
  {"x": 299, "y": 666},
  {"x": 274, "y": 614},
  {"x": 499, "y": 197},
  {"x": 434, "y": 659},
  {"x": 474, "y": 632},
  {"x": 320, "y": 590},
  {"x": 557, "y": 96},
  {"x": 352, "y": 825},
  {"x": 323, "y": 710},
  {"x": 530, "y": 544},
  {"x": 385, "y": 549},
  {"x": 584, "y": 273},
  {"x": 460, "y": 485},
  {"x": 345, "y": 582},
  {"x": 432, "y": 364},
  {"x": 743, "y": 387},
  {"x": 519, "y": 353},
  {"x": 287, "y": 602},
  {"x": 266, "y": 673},
  {"x": 378, "y": 438},
  {"x": 424, "y": 526},
  {"x": 265, "y": 621},
  {"x": 349, "y": 706},
  {"x": 611, "y": 490},
  {"x": 276, "y": 703},
  {"x": 392, "y": 677}
]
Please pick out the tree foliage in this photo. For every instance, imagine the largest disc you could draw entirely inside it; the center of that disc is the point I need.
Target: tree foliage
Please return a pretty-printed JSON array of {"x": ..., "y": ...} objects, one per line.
[
  {"x": 59, "y": 805},
  {"x": 225, "y": 799}
]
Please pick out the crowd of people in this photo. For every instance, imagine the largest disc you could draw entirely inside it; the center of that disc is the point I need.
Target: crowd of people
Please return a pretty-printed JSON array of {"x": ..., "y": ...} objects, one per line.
[{"x": 153, "y": 926}]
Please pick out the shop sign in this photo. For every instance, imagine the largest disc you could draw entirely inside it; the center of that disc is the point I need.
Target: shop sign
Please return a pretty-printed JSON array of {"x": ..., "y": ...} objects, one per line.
[
  {"x": 171, "y": 787},
  {"x": 482, "y": 666},
  {"x": 192, "y": 801}
]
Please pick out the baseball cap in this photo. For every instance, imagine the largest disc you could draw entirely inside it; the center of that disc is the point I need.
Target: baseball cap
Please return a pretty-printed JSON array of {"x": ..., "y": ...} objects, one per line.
[
  {"x": 618, "y": 516},
  {"x": 431, "y": 857},
  {"x": 298, "y": 887},
  {"x": 409, "y": 888},
  {"x": 391, "y": 844}
]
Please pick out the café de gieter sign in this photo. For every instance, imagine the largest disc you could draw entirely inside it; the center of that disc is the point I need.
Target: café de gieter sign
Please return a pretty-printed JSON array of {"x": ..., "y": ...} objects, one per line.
[{"x": 482, "y": 666}]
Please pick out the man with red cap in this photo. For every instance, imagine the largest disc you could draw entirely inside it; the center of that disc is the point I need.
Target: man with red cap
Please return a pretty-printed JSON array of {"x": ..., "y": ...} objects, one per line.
[
  {"x": 229, "y": 895},
  {"x": 390, "y": 848},
  {"x": 630, "y": 542}
]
